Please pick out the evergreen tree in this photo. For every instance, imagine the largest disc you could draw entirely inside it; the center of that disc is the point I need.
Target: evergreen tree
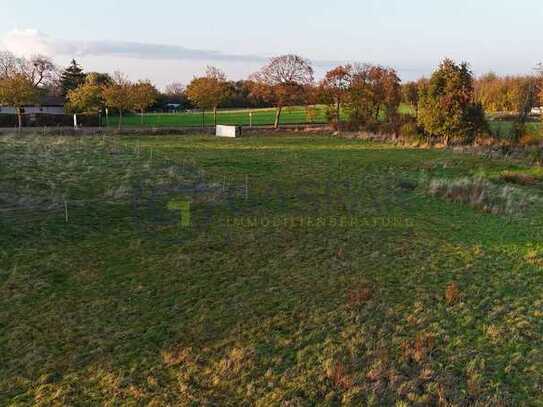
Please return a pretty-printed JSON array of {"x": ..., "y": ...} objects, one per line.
[
  {"x": 72, "y": 77},
  {"x": 447, "y": 107}
]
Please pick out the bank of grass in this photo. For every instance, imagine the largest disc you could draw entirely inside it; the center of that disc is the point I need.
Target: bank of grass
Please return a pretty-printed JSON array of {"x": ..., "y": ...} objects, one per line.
[{"x": 317, "y": 271}]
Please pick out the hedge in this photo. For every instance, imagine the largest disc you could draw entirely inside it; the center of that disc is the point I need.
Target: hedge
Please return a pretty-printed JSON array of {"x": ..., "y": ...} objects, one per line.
[{"x": 50, "y": 120}]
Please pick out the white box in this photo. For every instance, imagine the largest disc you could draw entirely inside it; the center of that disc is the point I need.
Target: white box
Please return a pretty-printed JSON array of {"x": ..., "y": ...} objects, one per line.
[{"x": 228, "y": 131}]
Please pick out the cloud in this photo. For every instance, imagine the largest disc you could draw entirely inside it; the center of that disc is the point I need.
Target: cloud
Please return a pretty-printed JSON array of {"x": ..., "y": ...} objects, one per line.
[{"x": 30, "y": 41}]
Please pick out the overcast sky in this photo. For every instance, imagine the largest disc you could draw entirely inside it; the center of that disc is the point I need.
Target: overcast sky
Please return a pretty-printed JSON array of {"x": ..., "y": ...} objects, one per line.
[{"x": 171, "y": 40}]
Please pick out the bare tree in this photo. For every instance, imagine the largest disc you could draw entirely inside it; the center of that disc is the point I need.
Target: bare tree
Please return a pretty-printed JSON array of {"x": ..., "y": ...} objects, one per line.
[
  {"x": 282, "y": 82},
  {"x": 39, "y": 70},
  {"x": 175, "y": 89},
  {"x": 9, "y": 64}
]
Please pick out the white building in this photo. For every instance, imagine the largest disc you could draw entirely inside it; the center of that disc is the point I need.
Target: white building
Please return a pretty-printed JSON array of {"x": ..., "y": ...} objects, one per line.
[
  {"x": 537, "y": 110},
  {"x": 47, "y": 105}
]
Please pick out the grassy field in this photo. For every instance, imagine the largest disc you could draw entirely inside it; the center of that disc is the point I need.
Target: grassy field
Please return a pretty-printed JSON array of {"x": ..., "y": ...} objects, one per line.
[
  {"x": 261, "y": 117},
  {"x": 307, "y": 271},
  {"x": 239, "y": 117},
  {"x": 503, "y": 129}
]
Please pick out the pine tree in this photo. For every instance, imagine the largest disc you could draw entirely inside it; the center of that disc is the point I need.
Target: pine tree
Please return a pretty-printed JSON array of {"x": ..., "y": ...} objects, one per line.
[{"x": 72, "y": 77}]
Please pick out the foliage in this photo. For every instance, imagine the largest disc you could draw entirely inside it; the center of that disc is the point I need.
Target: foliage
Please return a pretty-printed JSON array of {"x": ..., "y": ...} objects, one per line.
[
  {"x": 334, "y": 89},
  {"x": 18, "y": 90},
  {"x": 283, "y": 82},
  {"x": 447, "y": 108},
  {"x": 118, "y": 95},
  {"x": 374, "y": 96},
  {"x": 209, "y": 91},
  {"x": 505, "y": 94},
  {"x": 410, "y": 93},
  {"x": 72, "y": 77},
  {"x": 143, "y": 95},
  {"x": 86, "y": 98}
]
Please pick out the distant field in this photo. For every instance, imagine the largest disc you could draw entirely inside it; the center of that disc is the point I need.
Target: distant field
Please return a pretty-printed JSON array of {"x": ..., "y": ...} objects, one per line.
[
  {"x": 502, "y": 129},
  {"x": 261, "y": 117},
  {"x": 266, "y": 117},
  {"x": 239, "y": 117}
]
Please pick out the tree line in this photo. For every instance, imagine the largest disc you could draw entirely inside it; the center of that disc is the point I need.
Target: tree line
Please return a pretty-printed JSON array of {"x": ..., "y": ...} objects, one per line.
[{"x": 450, "y": 106}]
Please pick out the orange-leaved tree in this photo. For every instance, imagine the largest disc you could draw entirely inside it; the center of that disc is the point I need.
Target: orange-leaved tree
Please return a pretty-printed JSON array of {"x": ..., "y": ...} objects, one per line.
[
  {"x": 335, "y": 87},
  {"x": 118, "y": 95},
  {"x": 209, "y": 91},
  {"x": 143, "y": 95},
  {"x": 283, "y": 82}
]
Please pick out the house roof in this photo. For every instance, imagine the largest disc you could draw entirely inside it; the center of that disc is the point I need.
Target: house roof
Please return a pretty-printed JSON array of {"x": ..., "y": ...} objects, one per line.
[{"x": 52, "y": 101}]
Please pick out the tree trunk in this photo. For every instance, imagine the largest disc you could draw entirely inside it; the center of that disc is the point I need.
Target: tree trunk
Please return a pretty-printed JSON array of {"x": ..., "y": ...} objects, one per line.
[
  {"x": 19, "y": 118},
  {"x": 277, "y": 117},
  {"x": 120, "y": 118},
  {"x": 215, "y": 116},
  {"x": 338, "y": 116}
]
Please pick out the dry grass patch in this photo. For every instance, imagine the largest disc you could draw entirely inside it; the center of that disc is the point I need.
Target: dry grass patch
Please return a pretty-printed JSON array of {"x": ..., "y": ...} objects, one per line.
[
  {"x": 518, "y": 178},
  {"x": 483, "y": 195}
]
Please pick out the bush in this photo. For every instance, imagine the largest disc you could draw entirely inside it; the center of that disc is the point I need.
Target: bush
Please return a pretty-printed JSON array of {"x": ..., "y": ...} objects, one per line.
[
  {"x": 409, "y": 129},
  {"x": 447, "y": 109},
  {"x": 50, "y": 120}
]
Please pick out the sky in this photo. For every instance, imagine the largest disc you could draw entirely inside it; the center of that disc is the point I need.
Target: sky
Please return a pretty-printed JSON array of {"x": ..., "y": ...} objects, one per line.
[{"x": 173, "y": 40}]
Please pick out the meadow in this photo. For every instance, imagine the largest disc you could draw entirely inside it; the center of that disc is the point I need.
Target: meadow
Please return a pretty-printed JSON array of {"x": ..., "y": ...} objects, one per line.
[
  {"x": 234, "y": 117},
  {"x": 237, "y": 117},
  {"x": 290, "y": 270}
]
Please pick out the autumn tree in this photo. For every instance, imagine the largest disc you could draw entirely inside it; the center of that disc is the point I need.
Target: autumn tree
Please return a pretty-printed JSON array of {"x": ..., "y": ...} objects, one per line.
[
  {"x": 447, "y": 107},
  {"x": 143, "y": 95},
  {"x": 410, "y": 94},
  {"x": 374, "y": 96},
  {"x": 118, "y": 95},
  {"x": 282, "y": 82},
  {"x": 18, "y": 91},
  {"x": 335, "y": 87},
  {"x": 99, "y": 78},
  {"x": 87, "y": 97},
  {"x": 209, "y": 91}
]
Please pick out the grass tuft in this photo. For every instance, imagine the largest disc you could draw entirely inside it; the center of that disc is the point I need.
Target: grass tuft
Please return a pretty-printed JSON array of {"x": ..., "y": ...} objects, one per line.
[{"x": 483, "y": 195}]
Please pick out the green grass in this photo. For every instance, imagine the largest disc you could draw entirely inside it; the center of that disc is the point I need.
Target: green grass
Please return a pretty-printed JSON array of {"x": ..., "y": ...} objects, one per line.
[
  {"x": 259, "y": 302},
  {"x": 237, "y": 117},
  {"x": 240, "y": 117},
  {"x": 503, "y": 128}
]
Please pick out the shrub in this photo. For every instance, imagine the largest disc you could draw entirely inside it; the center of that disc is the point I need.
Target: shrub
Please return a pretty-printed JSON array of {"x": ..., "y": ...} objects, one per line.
[{"x": 447, "y": 109}]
